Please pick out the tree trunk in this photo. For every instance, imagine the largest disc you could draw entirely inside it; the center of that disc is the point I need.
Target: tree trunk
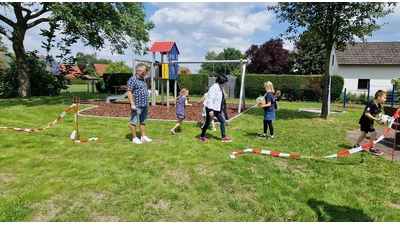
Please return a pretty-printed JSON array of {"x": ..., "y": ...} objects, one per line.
[
  {"x": 24, "y": 81},
  {"x": 324, "y": 110}
]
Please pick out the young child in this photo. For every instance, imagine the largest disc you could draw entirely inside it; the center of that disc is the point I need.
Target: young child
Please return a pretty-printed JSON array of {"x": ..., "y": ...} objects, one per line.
[
  {"x": 269, "y": 111},
  {"x": 181, "y": 102},
  {"x": 371, "y": 111},
  {"x": 203, "y": 113},
  {"x": 277, "y": 97}
]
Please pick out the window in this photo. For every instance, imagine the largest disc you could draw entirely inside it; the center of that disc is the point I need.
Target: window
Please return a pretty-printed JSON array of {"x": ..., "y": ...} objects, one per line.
[{"x": 363, "y": 83}]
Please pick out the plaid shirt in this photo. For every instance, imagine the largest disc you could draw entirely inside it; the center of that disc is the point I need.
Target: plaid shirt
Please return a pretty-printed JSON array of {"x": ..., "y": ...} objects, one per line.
[{"x": 139, "y": 91}]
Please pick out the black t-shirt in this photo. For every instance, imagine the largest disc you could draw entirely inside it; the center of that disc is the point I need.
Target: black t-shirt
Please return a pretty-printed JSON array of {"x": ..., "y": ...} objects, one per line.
[{"x": 373, "y": 109}]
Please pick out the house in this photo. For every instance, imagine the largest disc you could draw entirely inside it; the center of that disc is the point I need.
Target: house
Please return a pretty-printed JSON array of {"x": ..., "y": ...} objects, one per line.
[
  {"x": 100, "y": 68},
  {"x": 74, "y": 71},
  {"x": 365, "y": 64},
  {"x": 184, "y": 69}
]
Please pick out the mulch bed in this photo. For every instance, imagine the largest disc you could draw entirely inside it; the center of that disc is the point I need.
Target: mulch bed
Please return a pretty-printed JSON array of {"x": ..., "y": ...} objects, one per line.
[{"x": 157, "y": 112}]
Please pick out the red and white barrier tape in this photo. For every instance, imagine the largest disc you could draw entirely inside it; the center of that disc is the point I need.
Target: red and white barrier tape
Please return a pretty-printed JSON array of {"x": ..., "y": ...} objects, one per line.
[
  {"x": 73, "y": 134},
  {"x": 339, "y": 154}
]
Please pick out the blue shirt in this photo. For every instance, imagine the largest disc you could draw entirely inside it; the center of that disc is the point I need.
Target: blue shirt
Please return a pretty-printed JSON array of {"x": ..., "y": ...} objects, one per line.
[
  {"x": 270, "y": 98},
  {"x": 139, "y": 91}
]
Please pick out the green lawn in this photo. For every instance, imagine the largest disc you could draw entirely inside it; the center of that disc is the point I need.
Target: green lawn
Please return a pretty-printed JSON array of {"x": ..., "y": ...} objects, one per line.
[
  {"x": 44, "y": 176},
  {"x": 80, "y": 88}
]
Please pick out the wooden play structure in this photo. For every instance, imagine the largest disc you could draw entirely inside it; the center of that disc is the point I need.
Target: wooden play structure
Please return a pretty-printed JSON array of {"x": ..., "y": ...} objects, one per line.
[
  {"x": 166, "y": 70},
  {"x": 163, "y": 70}
]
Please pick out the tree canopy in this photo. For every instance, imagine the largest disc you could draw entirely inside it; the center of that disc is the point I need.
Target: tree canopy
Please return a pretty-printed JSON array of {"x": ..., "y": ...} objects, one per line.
[
  {"x": 118, "y": 67},
  {"x": 336, "y": 23},
  {"x": 309, "y": 54},
  {"x": 269, "y": 58},
  {"x": 122, "y": 24},
  {"x": 215, "y": 69},
  {"x": 83, "y": 59},
  {"x": 89, "y": 60}
]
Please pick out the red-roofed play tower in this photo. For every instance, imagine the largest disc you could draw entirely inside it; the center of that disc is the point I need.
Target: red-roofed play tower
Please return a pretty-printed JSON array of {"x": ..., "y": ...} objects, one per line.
[{"x": 169, "y": 71}]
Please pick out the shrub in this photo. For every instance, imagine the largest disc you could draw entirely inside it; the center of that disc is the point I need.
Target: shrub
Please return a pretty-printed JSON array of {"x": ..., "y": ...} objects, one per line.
[{"x": 43, "y": 82}]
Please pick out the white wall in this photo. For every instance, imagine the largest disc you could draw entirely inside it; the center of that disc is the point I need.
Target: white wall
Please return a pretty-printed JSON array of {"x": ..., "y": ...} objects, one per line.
[
  {"x": 380, "y": 77},
  {"x": 376, "y": 84}
]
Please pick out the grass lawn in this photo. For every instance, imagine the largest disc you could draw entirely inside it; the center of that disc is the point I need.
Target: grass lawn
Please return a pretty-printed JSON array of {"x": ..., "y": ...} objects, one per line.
[{"x": 176, "y": 178}]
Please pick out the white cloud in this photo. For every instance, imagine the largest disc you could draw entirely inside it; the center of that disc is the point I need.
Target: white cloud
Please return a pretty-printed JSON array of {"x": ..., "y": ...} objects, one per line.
[{"x": 200, "y": 27}]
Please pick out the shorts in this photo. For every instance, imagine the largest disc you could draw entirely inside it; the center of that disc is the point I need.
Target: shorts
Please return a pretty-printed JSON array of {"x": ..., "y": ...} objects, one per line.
[
  {"x": 367, "y": 127},
  {"x": 139, "y": 115}
]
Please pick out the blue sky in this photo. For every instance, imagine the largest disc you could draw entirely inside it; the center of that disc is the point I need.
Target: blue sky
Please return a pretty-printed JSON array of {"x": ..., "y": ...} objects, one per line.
[{"x": 198, "y": 28}]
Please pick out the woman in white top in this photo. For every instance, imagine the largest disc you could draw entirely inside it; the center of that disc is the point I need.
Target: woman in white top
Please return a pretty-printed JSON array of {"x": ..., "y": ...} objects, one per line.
[{"x": 214, "y": 107}]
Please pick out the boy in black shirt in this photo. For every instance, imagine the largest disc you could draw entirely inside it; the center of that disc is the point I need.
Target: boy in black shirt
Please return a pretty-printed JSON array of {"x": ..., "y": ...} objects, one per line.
[{"x": 371, "y": 111}]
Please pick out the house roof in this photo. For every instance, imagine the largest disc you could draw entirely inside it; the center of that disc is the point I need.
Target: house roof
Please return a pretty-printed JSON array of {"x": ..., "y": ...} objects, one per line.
[
  {"x": 100, "y": 68},
  {"x": 181, "y": 68},
  {"x": 370, "y": 53},
  {"x": 163, "y": 46},
  {"x": 74, "y": 71}
]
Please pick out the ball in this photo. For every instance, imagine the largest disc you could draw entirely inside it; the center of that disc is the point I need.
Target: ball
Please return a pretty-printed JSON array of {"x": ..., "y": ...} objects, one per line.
[
  {"x": 385, "y": 119},
  {"x": 259, "y": 100}
]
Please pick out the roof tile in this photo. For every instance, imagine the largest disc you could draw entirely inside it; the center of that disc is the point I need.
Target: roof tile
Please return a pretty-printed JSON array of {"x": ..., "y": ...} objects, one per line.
[
  {"x": 370, "y": 53},
  {"x": 163, "y": 46}
]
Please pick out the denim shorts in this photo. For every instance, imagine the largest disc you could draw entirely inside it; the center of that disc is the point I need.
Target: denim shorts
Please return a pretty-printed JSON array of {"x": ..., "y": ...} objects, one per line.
[{"x": 139, "y": 115}]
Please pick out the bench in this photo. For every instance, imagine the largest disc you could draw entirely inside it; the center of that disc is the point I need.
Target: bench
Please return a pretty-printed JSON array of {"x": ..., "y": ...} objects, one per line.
[
  {"x": 119, "y": 88},
  {"x": 122, "y": 88}
]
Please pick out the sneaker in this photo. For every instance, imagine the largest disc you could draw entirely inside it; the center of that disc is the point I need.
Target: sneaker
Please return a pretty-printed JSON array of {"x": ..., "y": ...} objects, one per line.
[
  {"x": 172, "y": 131},
  {"x": 214, "y": 129},
  {"x": 203, "y": 139},
  {"x": 262, "y": 136},
  {"x": 356, "y": 145},
  {"x": 226, "y": 139},
  {"x": 271, "y": 138},
  {"x": 136, "y": 141},
  {"x": 145, "y": 139},
  {"x": 375, "y": 151}
]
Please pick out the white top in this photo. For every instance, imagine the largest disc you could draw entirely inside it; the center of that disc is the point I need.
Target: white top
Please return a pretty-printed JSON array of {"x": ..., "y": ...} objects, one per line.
[{"x": 214, "y": 98}]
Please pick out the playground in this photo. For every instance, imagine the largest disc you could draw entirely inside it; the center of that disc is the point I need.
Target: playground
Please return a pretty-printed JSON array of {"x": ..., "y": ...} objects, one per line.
[
  {"x": 120, "y": 109},
  {"x": 47, "y": 176}
]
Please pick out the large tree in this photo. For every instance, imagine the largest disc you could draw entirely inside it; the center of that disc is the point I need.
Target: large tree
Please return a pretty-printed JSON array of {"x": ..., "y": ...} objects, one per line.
[
  {"x": 87, "y": 60},
  {"x": 336, "y": 23},
  {"x": 309, "y": 54},
  {"x": 269, "y": 58},
  {"x": 215, "y": 69},
  {"x": 122, "y": 24},
  {"x": 118, "y": 67}
]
